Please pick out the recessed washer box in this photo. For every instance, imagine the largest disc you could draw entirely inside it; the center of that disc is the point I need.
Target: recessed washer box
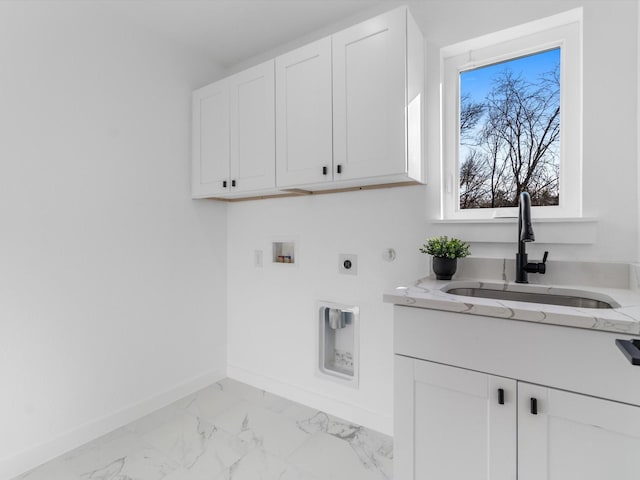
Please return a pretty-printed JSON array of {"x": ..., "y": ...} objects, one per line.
[{"x": 338, "y": 342}]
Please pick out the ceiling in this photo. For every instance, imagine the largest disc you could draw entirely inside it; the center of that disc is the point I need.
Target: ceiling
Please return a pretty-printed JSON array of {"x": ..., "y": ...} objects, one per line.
[{"x": 232, "y": 31}]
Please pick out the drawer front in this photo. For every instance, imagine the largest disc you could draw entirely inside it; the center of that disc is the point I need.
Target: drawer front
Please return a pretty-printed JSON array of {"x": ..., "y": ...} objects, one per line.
[{"x": 572, "y": 359}]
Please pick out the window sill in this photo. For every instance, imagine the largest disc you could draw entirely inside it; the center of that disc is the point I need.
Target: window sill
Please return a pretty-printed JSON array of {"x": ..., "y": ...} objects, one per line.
[{"x": 569, "y": 231}]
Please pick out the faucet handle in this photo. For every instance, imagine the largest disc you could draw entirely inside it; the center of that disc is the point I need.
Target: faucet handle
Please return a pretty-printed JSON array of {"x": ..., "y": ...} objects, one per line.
[{"x": 542, "y": 267}]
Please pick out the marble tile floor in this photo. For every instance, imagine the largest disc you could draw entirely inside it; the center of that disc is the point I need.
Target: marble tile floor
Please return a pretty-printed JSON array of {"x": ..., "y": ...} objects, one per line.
[{"x": 229, "y": 431}]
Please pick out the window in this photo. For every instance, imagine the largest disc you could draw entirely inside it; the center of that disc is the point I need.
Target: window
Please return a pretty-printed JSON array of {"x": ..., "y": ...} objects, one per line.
[
  {"x": 509, "y": 140},
  {"x": 512, "y": 115}
]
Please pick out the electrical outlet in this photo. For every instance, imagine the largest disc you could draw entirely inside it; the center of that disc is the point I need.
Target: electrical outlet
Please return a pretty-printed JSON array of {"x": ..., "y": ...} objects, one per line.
[
  {"x": 257, "y": 258},
  {"x": 348, "y": 263}
]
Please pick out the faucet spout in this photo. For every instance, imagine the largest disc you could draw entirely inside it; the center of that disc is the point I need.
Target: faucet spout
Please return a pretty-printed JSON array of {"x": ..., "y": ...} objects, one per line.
[
  {"x": 526, "y": 235},
  {"x": 525, "y": 229}
]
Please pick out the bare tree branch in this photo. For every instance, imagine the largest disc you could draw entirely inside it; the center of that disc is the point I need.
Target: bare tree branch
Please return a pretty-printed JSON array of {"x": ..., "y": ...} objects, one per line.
[{"x": 513, "y": 142}]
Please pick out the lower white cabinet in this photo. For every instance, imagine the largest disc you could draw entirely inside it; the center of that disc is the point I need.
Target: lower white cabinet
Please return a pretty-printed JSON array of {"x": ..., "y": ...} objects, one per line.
[
  {"x": 454, "y": 423},
  {"x": 575, "y": 436}
]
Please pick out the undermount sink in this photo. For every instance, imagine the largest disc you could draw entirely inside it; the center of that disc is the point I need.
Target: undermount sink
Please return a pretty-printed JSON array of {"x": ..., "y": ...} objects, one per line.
[{"x": 565, "y": 299}]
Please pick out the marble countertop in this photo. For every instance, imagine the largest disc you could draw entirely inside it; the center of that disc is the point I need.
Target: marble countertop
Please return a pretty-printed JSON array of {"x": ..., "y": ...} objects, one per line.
[{"x": 431, "y": 294}]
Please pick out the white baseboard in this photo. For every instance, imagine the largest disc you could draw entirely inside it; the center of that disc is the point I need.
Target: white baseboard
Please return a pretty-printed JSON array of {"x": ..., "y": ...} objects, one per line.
[
  {"x": 24, "y": 461},
  {"x": 338, "y": 408}
]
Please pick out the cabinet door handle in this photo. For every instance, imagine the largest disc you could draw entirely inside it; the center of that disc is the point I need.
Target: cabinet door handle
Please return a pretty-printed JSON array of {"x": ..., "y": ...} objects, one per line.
[
  {"x": 501, "y": 396},
  {"x": 324, "y": 170},
  {"x": 233, "y": 183},
  {"x": 339, "y": 169},
  {"x": 224, "y": 184},
  {"x": 631, "y": 350},
  {"x": 534, "y": 406}
]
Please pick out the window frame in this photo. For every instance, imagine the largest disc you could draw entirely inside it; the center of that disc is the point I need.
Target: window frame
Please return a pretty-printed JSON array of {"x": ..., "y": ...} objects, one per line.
[{"x": 564, "y": 31}]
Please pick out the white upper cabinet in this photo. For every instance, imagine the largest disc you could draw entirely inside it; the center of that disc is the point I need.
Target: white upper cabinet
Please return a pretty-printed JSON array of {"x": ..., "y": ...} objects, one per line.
[
  {"x": 210, "y": 174},
  {"x": 304, "y": 115},
  {"x": 234, "y": 135},
  {"x": 342, "y": 112},
  {"x": 377, "y": 79},
  {"x": 252, "y": 129}
]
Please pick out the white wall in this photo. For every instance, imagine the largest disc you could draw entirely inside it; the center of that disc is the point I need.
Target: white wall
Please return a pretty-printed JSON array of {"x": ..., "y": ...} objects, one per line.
[
  {"x": 271, "y": 310},
  {"x": 272, "y": 316},
  {"x": 112, "y": 280}
]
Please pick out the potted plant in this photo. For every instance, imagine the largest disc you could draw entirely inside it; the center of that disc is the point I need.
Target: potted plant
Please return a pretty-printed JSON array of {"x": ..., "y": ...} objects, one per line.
[{"x": 445, "y": 252}]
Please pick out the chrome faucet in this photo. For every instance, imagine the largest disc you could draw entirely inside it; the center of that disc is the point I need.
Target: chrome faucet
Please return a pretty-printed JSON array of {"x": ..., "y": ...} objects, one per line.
[{"x": 525, "y": 235}]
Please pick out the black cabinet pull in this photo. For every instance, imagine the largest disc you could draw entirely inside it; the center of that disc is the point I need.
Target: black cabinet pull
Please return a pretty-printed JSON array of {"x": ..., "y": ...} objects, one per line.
[
  {"x": 233, "y": 183},
  {"x": 339, "y": 169},
  {"x": 534, "y": 406},
  {"x": 501, "y": 396},
  {"x": 630, "y": 349},
  {"x": 224, "y": 184},
  {"x": 324, "y": 170}
]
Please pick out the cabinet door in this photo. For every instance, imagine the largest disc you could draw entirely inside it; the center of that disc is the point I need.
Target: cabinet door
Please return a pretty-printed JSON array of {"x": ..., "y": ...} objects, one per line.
[
  {"x": 369, "y": 97},
  {"x": 450, "y": 424},
  {"x": 303, "y": 115},
  {"x": 575, "y": 436},
  {"x": 252, "y": 98},
  {"x": 210, "y": 163}
]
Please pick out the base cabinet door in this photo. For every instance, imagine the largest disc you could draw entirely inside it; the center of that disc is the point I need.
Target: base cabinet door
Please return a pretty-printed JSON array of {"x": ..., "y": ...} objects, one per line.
[
  {"x": 563, "y": 435},
  {"x": 452, "y": 423}
]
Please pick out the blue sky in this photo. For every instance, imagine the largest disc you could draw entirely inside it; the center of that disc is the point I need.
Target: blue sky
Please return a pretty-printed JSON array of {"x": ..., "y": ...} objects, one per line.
[{"x": 477, "y": 83}]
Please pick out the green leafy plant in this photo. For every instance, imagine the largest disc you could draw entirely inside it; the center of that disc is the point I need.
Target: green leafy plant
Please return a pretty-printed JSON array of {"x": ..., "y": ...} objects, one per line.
[{"x": 446, "y": 247}]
